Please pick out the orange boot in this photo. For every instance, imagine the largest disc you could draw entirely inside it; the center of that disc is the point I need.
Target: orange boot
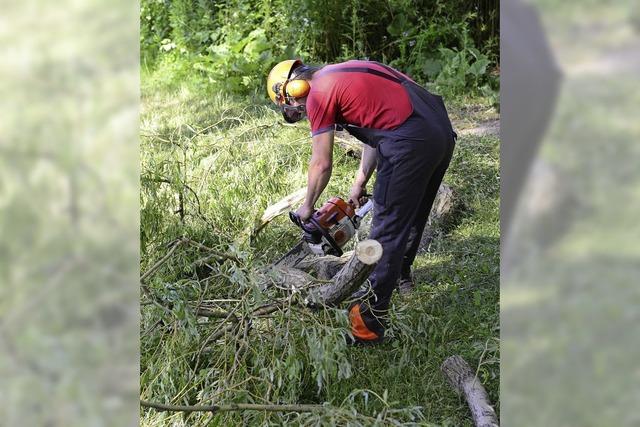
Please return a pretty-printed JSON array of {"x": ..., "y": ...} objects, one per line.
[{"x": 373, "y": 333}]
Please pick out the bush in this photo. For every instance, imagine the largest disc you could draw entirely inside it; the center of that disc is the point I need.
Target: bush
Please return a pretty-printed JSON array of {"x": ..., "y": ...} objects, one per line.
[{"x": 450, "y": 45}]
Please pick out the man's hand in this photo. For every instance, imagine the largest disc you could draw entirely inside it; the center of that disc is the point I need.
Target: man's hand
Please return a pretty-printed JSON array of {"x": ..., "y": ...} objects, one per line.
[
  {"x": 305, "y": 212},
  {"x": 357, "y": 194}
]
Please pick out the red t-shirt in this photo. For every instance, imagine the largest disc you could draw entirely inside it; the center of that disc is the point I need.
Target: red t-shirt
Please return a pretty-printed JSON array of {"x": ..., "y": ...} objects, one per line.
[{"x": 357, "y": 98}]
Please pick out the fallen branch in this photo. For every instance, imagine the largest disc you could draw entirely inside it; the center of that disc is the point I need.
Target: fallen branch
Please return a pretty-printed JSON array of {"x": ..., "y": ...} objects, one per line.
[
  {"x": 216, "y": 314},
  {"x": 159, "y": 264},
  {"x": 159, "y": 302},
  {"x": 460, "y": 376},
  {"x": 283, "y": 205},
  {"x": 143, "y": 284},
  {"x": 213, "y": 252},
  {"x": 181, "y": 196},
  {"x": 267, "y": 309},
  {"x": 180, "y": 242},
  {"x": 231, "y": 407}
]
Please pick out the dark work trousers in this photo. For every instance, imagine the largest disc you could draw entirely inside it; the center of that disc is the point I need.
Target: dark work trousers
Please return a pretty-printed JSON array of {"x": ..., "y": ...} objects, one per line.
[{"x": 412, "y": 161}]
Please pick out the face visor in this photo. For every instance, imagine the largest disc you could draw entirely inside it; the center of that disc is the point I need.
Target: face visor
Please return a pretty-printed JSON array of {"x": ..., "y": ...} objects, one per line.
[{"x": 293, "y": 114}]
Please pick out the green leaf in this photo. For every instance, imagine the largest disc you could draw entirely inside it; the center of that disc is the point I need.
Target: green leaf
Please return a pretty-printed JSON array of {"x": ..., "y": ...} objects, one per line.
[
  {"x": 431, "y": 67},
  {"x": 479, "y": 67},
  {"x": 398, "y": 25}
]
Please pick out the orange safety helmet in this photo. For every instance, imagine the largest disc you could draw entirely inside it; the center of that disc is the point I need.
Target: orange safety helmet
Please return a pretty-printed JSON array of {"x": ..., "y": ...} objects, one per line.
[{"x": 282, "y": 88}]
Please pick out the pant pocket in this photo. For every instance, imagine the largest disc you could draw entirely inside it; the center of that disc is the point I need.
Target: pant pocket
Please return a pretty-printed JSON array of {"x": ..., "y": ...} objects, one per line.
[
  {"x": 381, "y": 187},
  {"x": 383, "y": 172}
]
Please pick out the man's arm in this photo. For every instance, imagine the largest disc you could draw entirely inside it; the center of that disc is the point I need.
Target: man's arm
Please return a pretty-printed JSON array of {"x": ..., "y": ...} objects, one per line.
[
  {"x": 319, "y": 173},
  {"x": 368, "y": 163}
]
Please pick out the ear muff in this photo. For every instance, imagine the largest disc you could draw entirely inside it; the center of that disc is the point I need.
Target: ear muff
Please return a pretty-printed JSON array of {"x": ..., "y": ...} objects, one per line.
[{"x": 297, "y": 88}]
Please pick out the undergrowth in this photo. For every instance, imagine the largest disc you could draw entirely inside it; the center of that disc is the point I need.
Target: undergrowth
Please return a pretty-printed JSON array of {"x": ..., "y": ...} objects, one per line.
[
  {"x": 211, "y": 164},
  {"x": 450, "y": 45}
]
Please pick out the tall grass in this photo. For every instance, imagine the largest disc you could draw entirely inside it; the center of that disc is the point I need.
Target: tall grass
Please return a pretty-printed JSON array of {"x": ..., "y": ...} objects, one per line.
[{"x": 211, "y": 163}]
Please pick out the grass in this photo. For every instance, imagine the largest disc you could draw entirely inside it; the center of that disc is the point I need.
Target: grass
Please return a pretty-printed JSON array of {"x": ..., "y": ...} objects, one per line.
[{"x": 230, "y": 158}]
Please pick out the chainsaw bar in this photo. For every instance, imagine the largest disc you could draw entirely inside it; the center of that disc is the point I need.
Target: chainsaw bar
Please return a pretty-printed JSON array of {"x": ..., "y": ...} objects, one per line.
[
  {"x": 304, "y": 249},
  {"x": 295, "y": 255}
]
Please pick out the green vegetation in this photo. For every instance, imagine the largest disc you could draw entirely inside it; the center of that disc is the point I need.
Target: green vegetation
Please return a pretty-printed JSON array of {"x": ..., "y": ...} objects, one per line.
[
  {"x": 215, "y": 154},
  {"x": 450, "y": 45}
]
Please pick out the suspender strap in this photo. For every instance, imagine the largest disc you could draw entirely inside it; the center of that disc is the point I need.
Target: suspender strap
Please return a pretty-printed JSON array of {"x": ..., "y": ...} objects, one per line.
[
  {"x": 392, "y": 71},
  {"x": 368, "y": 71}
]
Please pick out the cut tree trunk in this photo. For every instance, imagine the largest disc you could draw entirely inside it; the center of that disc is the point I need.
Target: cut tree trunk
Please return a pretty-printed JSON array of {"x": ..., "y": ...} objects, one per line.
[
  {"x": 441, "y": 212},
  {"x": 324, "y": 267},
  {"x": 350, "y": 277},
  {"x": 459, "y": 374},
  {"x": 329, "y": 289}
]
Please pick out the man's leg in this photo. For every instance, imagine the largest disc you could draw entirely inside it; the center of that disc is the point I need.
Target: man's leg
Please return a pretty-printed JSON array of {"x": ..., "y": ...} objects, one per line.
[
  {"x": 397, "y": 202},
  {"x": 415, "y": 235}
]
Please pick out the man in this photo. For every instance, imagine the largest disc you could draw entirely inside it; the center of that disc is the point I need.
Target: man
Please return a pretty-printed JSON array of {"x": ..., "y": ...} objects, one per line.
[{"x": 407, "y": 136}]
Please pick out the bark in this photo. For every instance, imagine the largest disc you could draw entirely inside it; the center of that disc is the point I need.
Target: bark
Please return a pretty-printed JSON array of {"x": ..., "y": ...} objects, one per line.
[
  {"x": 339, "y": 277},
  {"x": 324, "y": 267},
  {"x": 286, "y": 278},
  {"x": 350, "y": 277},
  {"x": 463, "y": 380}
]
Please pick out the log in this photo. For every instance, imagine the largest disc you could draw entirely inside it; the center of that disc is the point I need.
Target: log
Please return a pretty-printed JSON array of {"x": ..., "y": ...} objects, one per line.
[
  {"x": 441, "y": 212},
  {"x": 460, "y": 376},
  {"x": 283, "y": 205},
  {"x": 324, "y": 267},
  {"x": 444, "y": 206},
  {"x": 350, "y": 276},
  {"x": 351, "y": 145}
]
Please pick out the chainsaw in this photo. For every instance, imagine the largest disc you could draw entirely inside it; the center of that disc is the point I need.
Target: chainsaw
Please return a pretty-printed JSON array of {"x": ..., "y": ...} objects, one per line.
[{"x": 331, "y": 226}]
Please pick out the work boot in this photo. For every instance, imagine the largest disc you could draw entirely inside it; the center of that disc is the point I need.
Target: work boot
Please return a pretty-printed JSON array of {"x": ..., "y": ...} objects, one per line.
[
  {"x": 406, "y": 287},
  {"x": 363, "y": 292},
  {"x": 365, "y": 327}
]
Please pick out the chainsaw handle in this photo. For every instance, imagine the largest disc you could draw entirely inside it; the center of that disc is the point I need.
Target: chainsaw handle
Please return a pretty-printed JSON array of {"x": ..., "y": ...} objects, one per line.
[
  {"x": 365, "y": 197},
  {"x": 295, "y": 218}
]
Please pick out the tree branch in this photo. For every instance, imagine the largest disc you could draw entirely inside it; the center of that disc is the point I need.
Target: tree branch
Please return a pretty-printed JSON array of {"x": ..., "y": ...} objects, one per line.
[
  {"x": 214, "y": 252},
  {"x": 159, "y": 264}
]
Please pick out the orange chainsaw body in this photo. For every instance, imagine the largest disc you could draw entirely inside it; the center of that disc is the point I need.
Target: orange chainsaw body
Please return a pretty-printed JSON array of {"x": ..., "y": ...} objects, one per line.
[{"x": 336, "y": 217}]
